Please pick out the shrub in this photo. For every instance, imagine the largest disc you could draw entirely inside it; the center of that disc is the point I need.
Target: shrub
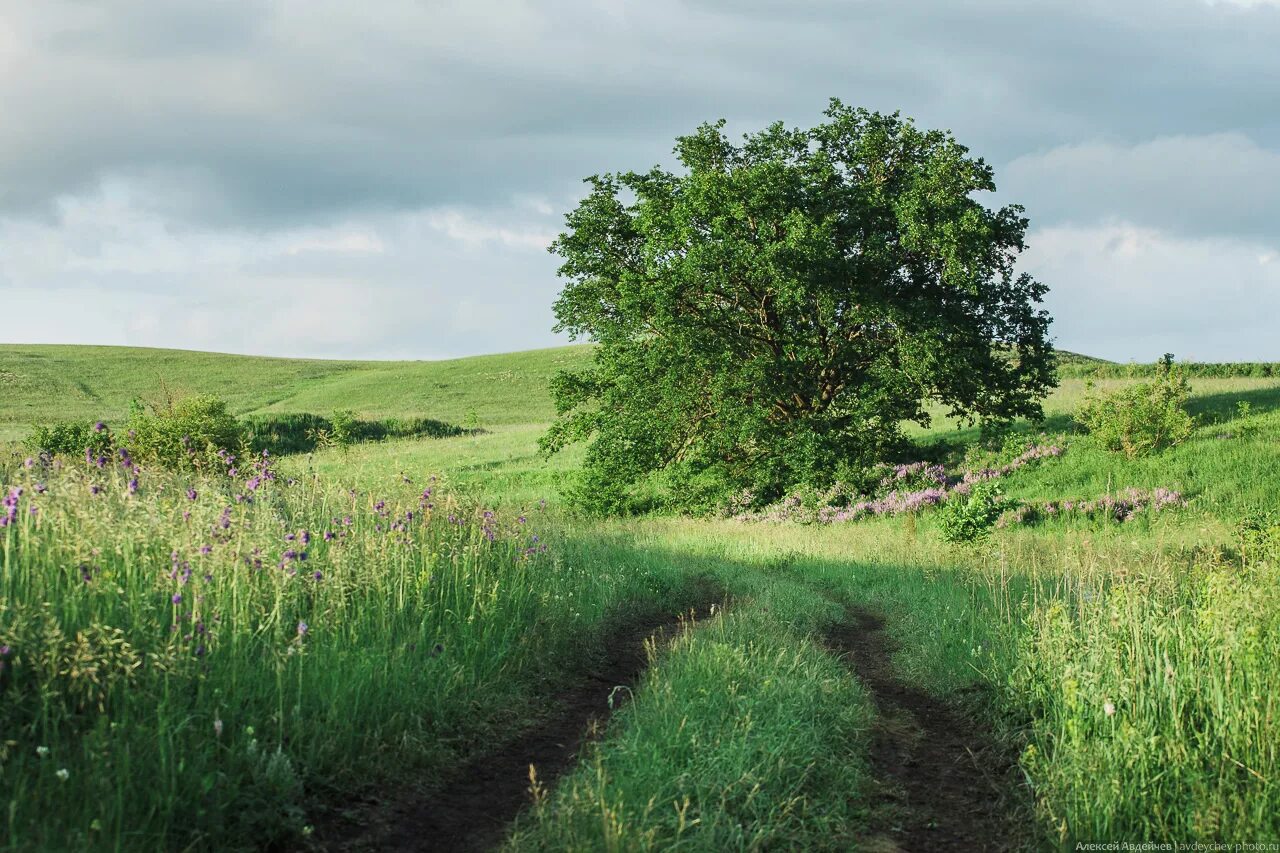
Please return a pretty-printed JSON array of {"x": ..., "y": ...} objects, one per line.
[
  {"x": 70, "y": 439},
  {"x": 345, "y": 430},
  {"x": 965, "y": 519},
  {"x": 186, "y": 433},
  {"x": 1144, "y": 418},
  {"x": 304, "y": 432}
]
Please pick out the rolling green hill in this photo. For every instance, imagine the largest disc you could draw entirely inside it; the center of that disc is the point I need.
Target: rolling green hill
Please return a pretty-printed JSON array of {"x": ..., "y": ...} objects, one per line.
[{"x": 42, "y": 384}]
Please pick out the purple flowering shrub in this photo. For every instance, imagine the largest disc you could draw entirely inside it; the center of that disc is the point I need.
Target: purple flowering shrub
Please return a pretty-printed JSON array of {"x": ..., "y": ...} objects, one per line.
[
  {"x": 1120, "y": 507},
  {"x": 905, "y": 488}
]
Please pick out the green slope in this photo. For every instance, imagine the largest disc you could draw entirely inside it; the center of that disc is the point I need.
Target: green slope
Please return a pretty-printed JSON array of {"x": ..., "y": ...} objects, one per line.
[{"x": 42, "y": 384}]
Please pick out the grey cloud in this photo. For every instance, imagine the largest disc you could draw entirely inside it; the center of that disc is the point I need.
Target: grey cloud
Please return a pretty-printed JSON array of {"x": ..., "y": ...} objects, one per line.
[
  {"x": 1124, "y": 292},
  {"x": 296, "y": 112},
  {"x": 220, "y": 161},
  {"x": 1222, "y": 185}
]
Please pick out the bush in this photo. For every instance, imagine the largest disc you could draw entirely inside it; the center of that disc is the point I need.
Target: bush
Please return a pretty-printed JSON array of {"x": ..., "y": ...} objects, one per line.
[
  {"x": 346, "y": 428},
  {"x": 1144, "y": 418},
  {"x": 966, "y": 519},
  {"x": 70, "y": 439},
  {"x": 181, "y": 434}
]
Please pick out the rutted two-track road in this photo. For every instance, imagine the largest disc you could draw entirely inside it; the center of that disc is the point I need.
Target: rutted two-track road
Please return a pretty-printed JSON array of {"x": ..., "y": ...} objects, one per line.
[{"x": 939, "y": 785}]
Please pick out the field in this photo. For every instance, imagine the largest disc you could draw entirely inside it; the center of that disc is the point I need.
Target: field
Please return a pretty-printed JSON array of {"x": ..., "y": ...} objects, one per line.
[{"x": 369, "y": 649}]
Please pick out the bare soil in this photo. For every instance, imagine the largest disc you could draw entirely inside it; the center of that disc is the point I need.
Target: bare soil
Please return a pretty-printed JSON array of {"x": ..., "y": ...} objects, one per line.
[{"x": 940, "y": 783}]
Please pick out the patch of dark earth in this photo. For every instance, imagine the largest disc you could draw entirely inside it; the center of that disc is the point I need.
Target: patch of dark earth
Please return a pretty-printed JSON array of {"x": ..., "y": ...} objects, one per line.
[
  {"x": 473, "y": 808},
  {"x": 940, "y": 782}
]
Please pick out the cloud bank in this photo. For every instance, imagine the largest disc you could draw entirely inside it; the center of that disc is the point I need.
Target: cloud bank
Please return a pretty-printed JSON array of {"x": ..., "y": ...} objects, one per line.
[{"x": 330, "y": 179}]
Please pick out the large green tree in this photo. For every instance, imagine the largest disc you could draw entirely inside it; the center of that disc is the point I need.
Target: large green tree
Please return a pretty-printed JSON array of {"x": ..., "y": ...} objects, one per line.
[{"x": 772, "y": 315}]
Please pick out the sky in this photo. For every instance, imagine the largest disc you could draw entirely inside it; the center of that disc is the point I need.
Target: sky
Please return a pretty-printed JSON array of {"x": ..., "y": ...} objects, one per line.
[{"x": 380, "y": 180}]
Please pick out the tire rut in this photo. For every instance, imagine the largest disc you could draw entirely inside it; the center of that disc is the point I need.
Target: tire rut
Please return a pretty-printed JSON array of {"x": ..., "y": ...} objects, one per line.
[
  {"x": 940, "y": 785},
  {"x": 475, "y": 805}
]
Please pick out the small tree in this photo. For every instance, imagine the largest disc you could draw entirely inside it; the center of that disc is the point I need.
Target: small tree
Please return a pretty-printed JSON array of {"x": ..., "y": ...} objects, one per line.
[
  {"x": 773, "y": 315},
  {"x": 1142, "y": 418}
]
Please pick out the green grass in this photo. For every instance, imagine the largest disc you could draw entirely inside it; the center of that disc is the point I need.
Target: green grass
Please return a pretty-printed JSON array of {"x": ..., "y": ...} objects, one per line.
[
  {"x": 160, "y": 690},
  {"x": 44, "y": 384},
  {"x": 744, "y": 734},
  {"x": 736, "y": 740}
]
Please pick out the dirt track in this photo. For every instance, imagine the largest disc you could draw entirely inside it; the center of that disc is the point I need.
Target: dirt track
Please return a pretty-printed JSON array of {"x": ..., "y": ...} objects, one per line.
[
  {"x": 474, "y": 807},
  {"x": 940, "y": 785}
]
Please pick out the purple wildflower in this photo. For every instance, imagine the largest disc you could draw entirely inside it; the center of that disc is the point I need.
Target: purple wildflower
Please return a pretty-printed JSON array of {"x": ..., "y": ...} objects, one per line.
[{"x": 10, "y": 504}]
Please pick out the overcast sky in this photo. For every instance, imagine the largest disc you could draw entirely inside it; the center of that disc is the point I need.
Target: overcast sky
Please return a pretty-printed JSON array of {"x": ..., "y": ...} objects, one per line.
[{"x": 380, "y": 179}]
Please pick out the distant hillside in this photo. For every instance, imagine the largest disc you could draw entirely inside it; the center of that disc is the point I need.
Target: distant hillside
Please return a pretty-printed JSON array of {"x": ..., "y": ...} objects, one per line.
[
  {"x": 1075, "y": 366},
  {"x": 43, "y": 384},
  {"x": 1068, "y": 359}
]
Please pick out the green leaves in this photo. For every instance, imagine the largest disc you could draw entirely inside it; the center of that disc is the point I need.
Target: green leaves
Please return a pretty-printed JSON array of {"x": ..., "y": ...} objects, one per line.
[
  {"x": 968, "y": 519},
  {"x": 1143, "y": 418},
  {"x": 781, "y": 307}
]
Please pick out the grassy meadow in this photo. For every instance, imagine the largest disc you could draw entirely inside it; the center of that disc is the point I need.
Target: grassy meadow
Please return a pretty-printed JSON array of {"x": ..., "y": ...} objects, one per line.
[{"x": 191, "y": 663}]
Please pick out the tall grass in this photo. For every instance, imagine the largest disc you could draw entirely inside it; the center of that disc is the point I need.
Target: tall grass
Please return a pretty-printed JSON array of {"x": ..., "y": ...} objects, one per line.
[
  {"x": 1155, "y": 701},
  {"x": 1055, "y": 622},
  {"x": 185, "y": 669}
]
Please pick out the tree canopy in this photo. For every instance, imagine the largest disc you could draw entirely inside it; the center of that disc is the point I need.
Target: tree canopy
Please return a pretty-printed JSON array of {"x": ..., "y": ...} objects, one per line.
[{"x": 773, "y": 315}]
